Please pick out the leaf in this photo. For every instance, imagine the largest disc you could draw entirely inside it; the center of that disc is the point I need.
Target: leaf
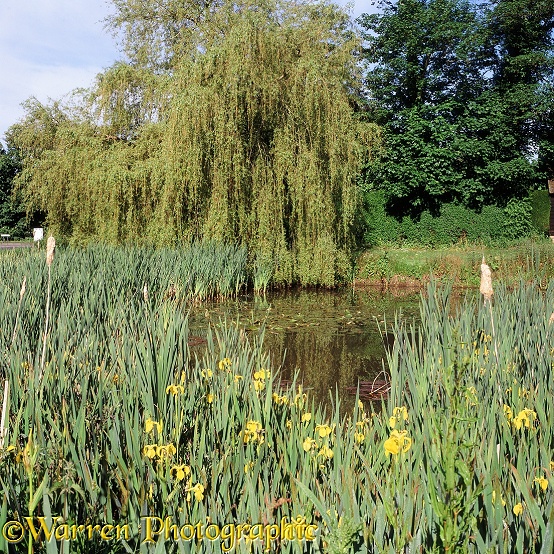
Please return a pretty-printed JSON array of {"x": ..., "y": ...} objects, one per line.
[{"x": 38, "y": 494}]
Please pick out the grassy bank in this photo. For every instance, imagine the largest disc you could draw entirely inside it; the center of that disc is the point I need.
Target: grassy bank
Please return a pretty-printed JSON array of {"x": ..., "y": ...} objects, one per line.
[
  {"x": 118, "y": 421},
  {"x": 526, "y": 260}
]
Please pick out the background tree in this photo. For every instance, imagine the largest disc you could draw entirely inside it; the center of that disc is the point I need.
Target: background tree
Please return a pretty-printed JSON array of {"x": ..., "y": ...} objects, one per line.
[
  {"x": 456, "y": 91},
  {"x": 522, "y": 33},
  {"x": 245, "y": 132},
  {"x": 12, "y": 213}
]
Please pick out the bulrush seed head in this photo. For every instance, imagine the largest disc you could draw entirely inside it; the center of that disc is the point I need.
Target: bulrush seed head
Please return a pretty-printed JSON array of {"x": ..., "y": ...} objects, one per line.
[
  {"x": 486, "y": 281},
  {"x": 50, "y": 247}
]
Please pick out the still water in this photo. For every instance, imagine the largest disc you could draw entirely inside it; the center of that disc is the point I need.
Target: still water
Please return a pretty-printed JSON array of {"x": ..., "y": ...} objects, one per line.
[{"x": 332, "y": 338}]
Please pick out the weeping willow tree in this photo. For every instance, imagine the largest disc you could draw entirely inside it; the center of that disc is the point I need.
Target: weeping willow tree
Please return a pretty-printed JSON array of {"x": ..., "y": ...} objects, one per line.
[{"x": 231, "y": 121}]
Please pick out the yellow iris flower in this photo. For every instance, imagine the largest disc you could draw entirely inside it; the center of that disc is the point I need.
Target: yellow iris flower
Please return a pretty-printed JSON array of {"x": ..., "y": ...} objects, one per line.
[
  {"x": 323, "y": 430},
  {"x": 180, "y": 472},
  {"x": 254, "y": 431},
  {"x": 150, "y": 450},
  {"x": 150, "y": 424},
  {"x": 175, "y": 389},
  {"x": 508, "y": 412},
  {"x": 198, "y": 491},
  {"x": 259, "y": 385},
  {"x": 398, "y": 414},
  {"x": 326, "y": 452},
  {"x": 524, "y": 419},
  {"x": 397, "y": 442},
  {"x": 224, "y": 364},
  {"x": 543, "y": 483},
  {"x": 166, "y": 451}
]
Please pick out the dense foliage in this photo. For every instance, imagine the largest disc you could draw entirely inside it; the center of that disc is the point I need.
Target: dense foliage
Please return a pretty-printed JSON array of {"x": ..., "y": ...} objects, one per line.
[
  {"x": 464, "y": 92},
  {"x": 455, "y": 223},
  {"x": 243, "y": 130},
  {"x": 124, "y": 419},
  {"x": 250, "y": 123},
  {"x": 12, "y": 213}
]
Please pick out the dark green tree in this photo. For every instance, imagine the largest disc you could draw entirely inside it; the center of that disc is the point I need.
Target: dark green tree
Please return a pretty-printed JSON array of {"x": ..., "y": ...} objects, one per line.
[
  {"x": 12, "y": 212},
  {"x": 458, "y": 103},
  {"x": 522, "y": 33}
]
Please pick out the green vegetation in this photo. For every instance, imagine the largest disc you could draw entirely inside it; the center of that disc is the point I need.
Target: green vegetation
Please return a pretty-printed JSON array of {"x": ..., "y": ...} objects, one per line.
[
  {"x": 252, "y": 123},
  {"x": 12, "y": 213},
  {"x": 456, "y": 224},
  {"x": 233, "y": 140},
  {"x": 243, "y": 132},
  {"x": 464, "y": 94},
  {"x": 525, "y": 260},
  {"x": 125, "y": 422},
  {"x": 200, "y": 272}
]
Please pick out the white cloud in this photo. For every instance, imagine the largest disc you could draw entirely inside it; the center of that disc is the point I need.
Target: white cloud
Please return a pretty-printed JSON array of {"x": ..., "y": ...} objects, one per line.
[
  {"x": 50, "y": 47},
  {"x": 41, "y": 81}
]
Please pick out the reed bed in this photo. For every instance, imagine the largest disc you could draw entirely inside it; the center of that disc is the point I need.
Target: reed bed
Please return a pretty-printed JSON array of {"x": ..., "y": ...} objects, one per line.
[{"x": 126, "y": 422}]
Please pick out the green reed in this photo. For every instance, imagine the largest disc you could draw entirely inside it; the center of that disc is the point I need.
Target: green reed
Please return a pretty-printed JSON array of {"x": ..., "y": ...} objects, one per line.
[{"x": 129, "y": 421}]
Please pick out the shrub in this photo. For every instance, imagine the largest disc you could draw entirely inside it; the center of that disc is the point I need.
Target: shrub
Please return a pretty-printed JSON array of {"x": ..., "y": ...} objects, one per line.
[
  {"x": 540, "y": 210},
  {"x": 455, "y": 223}
]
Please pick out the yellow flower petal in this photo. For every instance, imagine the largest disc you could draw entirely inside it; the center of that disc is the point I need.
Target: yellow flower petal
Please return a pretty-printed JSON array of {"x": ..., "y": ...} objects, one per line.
[
  {"x": 392, "y": 446},
  {"x": 175, "y": 389},
  {"x": 150, "y": 450},
  {"x": 323, "y": 430},
  {"x": 398, "y": 441},
  {"x": 326, "y": 452},
  {"x": 400, "y": 413},
  {"x": 198, "y": 492},
  {"x": 180, "y": 471},
  {"x": 149, "y": 425},
  {"x": 543, "y": 483},
  {"x": 508, "y": 412}
]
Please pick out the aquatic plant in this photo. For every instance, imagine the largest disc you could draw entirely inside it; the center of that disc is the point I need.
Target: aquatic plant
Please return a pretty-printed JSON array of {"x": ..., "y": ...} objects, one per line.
[{"x": 128, "y": 423}]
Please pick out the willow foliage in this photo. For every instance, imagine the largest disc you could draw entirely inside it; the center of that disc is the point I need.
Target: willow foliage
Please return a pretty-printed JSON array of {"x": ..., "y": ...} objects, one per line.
[{"x": 246, "y": 134}]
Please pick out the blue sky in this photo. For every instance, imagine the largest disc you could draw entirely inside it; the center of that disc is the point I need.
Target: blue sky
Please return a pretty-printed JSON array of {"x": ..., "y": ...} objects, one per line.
[{"x": 50, "y": 47}]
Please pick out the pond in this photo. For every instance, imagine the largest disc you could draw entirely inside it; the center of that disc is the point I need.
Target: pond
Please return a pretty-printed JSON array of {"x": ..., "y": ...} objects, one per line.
[{"x": 332, "y": 338}]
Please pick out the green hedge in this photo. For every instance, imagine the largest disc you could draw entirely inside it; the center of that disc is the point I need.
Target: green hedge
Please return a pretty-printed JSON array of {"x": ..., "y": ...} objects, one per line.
[
  {"x": 455, "y": 223},
  {"x": 540, "y": 210}
]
